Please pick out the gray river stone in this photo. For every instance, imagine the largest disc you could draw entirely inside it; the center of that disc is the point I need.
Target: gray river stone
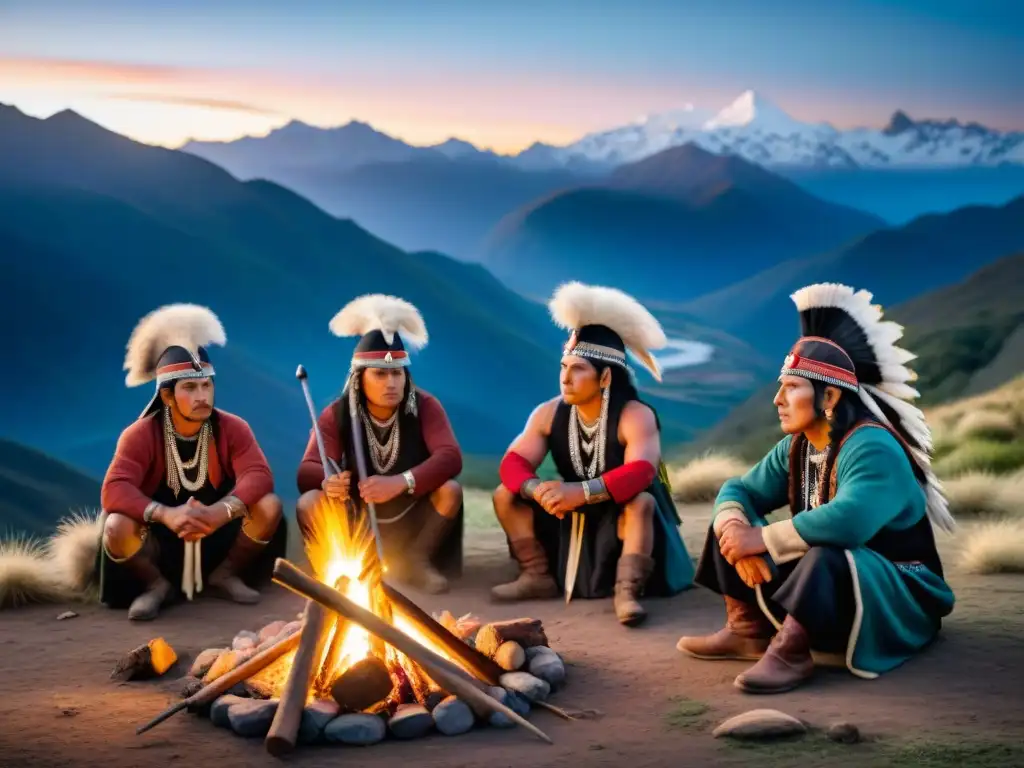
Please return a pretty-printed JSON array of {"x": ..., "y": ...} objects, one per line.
[
  {"x": 357, "y": 728},
  {"x": 453, "y": 716},
  {"x": 251, "y": 718},
  {"x": 315, "y": 718},
  {"x": 410, "y": 721}
]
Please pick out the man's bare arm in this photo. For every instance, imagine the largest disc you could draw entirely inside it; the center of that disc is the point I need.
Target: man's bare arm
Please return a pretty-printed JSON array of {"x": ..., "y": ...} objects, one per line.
[
  {"x": 528, "y": 450},
  {"x": 638, "y": 431}
]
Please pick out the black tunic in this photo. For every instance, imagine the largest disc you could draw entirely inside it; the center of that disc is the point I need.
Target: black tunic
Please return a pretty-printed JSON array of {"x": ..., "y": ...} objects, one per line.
[
  {"x": 599, "y": 555},
  {"x": 407, "y": 513},
  {"x": 118, "y": 584}
]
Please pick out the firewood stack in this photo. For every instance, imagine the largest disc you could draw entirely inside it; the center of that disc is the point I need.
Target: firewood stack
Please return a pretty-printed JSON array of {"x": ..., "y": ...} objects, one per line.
[{"x": 485, "y": 674}]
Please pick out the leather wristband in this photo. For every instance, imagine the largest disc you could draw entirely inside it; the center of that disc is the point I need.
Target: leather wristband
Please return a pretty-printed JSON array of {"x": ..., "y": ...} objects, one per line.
[
  {"x": 235, "y": 507},
  {"x": 594, "y": 491},
  {"x": 147, "y": 515}
]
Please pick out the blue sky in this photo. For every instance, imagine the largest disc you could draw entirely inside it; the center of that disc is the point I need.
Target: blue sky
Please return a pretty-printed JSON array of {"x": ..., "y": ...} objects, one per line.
[{"x": 500, "y": 73}]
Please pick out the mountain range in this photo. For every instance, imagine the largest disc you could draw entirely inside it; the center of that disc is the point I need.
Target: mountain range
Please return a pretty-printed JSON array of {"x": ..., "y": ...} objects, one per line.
[
  {"x": 751, "y": 126},
  {"x": 97, "y": 230},
  {"x": 450, "y": 196},
  {"x": 756, "y": 129}
]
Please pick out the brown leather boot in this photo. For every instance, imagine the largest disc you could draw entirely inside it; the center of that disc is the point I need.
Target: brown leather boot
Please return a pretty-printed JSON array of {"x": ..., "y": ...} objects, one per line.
[
  {"x": 746, "y": 635},
  {"x": 535, "y": 582},
  {"x": 631, "y": 575},
  {"x": 417, "y": 570},
  {"x": 225, "y": 579},
  {"x": 786, "y": 664},
  {"x": 142, "y": 564}
]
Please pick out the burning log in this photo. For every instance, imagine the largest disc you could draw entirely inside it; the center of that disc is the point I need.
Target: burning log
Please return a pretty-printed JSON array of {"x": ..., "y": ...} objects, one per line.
[
  {"x": 221, "y": 685},
  {"x": 403, "y": 691},
  {"x": 362, "y": 685},
  {"x": 482, "y": 666},
  {"x": 284, "y": 730},
  {"x": 526, "y": 632},
  {"x": 150, "y": 660},
  {"x": 438, "y": 668}
]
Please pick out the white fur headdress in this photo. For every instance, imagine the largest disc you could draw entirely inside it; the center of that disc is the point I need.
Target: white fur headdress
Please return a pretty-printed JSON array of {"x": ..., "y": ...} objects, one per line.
[
  {"x": 379, "y": 312},
  {"x": 585, "y": 310},
  {"x": 848, "y": 319},
  {"x": 383, "y": 322},
  {"x": 189, "y": 326}
]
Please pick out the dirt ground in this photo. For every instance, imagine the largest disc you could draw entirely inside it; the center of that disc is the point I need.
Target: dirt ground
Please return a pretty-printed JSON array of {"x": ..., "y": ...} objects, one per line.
[{"x": 958, "y": 704}]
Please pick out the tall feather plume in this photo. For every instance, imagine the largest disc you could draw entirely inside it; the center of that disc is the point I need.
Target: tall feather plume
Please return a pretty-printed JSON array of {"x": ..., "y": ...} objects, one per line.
[
  {"x": 185, "y": 325},
  {"x": 575, "y": 305},
  {"x": 379, "y": 312},
  {"x": 827, "y": 309}
]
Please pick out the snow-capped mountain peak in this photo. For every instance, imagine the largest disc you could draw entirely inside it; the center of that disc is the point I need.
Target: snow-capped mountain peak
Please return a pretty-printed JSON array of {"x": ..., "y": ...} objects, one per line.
[
  {"x": 752, "y": 109},
  {"x": 754, "y": 128}
]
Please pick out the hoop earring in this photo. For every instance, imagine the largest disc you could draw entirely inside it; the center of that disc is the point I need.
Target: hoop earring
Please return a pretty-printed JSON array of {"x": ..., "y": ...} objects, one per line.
[{"x": 828, "y": 414}]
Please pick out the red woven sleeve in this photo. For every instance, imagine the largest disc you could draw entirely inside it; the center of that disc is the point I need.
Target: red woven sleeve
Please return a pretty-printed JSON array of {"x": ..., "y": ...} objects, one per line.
[
  {"x": 514, "y": 471},
  {"x": 625, "y": 482}
]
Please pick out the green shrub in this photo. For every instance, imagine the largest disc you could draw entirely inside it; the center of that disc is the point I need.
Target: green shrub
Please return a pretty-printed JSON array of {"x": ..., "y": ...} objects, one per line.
[{"x": 979, "y": 455}]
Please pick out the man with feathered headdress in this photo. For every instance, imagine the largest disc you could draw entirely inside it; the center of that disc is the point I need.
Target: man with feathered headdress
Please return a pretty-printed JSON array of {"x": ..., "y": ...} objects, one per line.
[
  {"x": 188, "y": 497},
  {"x": 413, "y": 456},
  {"x": 609, "y": 526},
  {"x": 854, "y": 572}
]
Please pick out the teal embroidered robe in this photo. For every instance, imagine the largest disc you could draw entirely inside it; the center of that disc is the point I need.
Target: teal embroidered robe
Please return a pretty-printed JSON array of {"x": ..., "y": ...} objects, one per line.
[{"x": 876, "y": 515}]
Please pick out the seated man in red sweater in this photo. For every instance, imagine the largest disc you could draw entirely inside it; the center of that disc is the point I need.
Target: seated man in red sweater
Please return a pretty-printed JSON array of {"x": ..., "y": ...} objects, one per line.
[
  {"x": 412, "y": 454},
  {"x": 188, "y": 497}
]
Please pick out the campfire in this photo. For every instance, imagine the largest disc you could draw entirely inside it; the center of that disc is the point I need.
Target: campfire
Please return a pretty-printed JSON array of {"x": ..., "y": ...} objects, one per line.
[{"x": 363, "y": 662}]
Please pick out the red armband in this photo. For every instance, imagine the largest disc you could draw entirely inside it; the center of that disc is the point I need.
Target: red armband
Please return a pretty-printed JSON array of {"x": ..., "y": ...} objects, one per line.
[
  {"x": 514, "y": 470},
  {"x": 625, "y": 482}
]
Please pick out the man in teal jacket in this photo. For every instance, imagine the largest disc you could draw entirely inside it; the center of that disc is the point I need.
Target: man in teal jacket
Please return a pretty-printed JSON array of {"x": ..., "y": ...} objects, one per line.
[{"x": 854, "y": 572}]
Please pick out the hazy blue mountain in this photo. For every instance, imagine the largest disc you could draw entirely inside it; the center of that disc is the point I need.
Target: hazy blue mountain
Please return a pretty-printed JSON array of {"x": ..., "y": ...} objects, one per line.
[
  {"x": 899, "y": 195},
  {"x": 37, "y": 490},
  {"x": 669, "y": 227},
  {"x": 895, "y": 264},
  {"x": 429, "y": 202}
]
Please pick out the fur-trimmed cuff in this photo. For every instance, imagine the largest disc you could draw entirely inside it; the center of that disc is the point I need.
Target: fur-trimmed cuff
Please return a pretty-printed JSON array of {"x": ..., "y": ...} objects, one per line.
[
  {"x": 783, "y": 542},
  {"x": 727, "y": 513}
]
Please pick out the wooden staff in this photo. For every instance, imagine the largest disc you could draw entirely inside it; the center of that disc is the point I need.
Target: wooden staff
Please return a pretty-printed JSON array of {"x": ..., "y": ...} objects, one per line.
[
  {"x": 287, "y": 575},
  {"x": 284, "y": 729},
  {"x": 222, "y": 684}
]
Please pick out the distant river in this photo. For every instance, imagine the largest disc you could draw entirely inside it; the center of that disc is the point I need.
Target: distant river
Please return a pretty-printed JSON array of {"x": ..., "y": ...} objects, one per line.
[{"x": 680, "y": 353}]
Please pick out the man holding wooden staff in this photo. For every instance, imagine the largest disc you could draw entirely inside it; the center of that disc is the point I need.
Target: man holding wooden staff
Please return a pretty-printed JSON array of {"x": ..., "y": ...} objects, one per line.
[
  {"x": 412, "y": 451},
  {"x": 188, "y": 496}
]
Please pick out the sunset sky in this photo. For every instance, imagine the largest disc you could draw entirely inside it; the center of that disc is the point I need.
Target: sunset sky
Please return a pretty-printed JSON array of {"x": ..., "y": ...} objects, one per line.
[{"x": 502, "y": 74}]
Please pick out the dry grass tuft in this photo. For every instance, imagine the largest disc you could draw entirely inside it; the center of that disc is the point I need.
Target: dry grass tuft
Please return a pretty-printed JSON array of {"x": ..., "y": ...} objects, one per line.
[
  {"x": 981, "y": 494},
  {"x": 993, "y": 547},
  {"x": 701, "y": 479},
  {"x": 27, "y": 575},
  {"x": 73, "y": 550}
]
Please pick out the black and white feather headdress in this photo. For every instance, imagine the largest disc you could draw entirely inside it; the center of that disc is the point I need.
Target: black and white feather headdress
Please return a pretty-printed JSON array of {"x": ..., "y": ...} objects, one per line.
[{"x": 846, "y": 343}]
